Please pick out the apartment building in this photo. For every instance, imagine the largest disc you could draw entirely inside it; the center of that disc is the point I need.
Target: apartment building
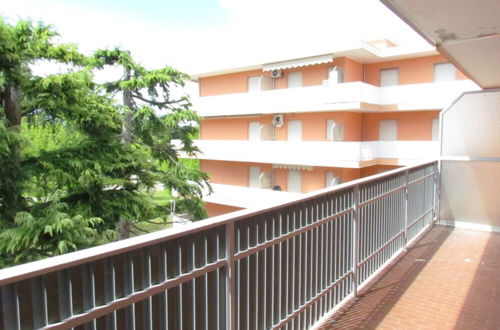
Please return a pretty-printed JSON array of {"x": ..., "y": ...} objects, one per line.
[{"x": 273, "y": 131}]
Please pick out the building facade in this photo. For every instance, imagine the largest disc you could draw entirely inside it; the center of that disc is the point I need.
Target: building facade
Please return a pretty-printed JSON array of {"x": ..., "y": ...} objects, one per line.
[{"x": 273, "y": 131}]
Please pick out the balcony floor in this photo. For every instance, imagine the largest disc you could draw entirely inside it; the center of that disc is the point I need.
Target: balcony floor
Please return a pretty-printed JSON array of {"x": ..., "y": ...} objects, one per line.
[{"x": 449, "y": 279}]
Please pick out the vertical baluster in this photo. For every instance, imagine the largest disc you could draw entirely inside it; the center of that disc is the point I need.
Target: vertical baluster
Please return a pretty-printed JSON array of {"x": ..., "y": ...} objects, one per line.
[
  {"x": 65, "y": 294},
  {"x": 109, "y": 291},
  {"x": 147, "y": 304},
  {"x": 10, "y": 307},
  {"x": 163, "y": 296},
  {"x": 193, "y": 266},
  {"x": 128, "y": 278},
  {"x": 88, "y": 278},
  {"x": 230, "y": 277},
  {"x": 406, "y": 214},
  {"x": 39, "y": 302}
]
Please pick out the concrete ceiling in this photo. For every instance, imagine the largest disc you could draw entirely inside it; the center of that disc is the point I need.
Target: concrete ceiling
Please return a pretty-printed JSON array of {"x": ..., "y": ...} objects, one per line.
[{"x": 466, "y": 31}]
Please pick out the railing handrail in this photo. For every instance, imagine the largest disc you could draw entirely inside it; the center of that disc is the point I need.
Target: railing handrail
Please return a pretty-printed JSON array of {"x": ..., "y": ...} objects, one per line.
[{"x": 44, "y": 266}]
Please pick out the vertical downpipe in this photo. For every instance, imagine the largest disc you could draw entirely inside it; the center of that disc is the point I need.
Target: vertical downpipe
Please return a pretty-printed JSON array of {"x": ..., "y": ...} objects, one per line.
[{"x": 355, "y": 241}]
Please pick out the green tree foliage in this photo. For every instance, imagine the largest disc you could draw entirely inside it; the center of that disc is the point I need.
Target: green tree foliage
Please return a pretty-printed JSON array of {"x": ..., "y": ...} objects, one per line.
[{"x": 74, "y": 162}]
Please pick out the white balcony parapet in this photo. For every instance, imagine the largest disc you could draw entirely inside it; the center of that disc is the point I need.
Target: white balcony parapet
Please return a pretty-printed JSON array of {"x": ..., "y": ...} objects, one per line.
[
  {"x": 215, "y": 273},
  {"x": 246, "y": 197},
  {"x": 334, "y": 97},
  {"x": 317, "y": 153}
]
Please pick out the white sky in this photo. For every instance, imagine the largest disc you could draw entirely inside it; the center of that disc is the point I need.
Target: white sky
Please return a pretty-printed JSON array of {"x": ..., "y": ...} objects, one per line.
[{"x": 254, "y": 31}]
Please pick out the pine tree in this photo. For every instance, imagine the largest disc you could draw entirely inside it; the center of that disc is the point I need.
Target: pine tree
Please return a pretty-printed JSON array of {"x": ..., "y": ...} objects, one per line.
[{"x": 72, "y": 192}]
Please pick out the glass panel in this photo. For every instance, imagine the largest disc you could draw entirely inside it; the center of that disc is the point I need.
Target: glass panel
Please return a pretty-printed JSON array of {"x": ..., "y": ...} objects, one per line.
[
  {"x": 295, "y": 130},
  {"x": 435, "y": 129},
  {"x": 254, "y": 131},
  {"x": 389, "y": 77},
  {"x": 294, "y": 181},
  {"x": 388, "y": 130},
  {"x": 295, "y": 79},
  {"x": 254, "y": 84},
  {"x": 254, "y": 177},
  {"x": 444, "y": 72}
]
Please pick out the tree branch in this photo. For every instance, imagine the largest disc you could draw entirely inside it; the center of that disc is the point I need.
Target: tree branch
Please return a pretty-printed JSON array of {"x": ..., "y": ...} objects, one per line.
[{"x": 160, "y": 104}]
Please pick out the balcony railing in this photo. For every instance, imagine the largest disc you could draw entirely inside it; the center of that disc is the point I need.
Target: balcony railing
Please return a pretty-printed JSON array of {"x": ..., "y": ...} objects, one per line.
[
  {"x": 285, "y": 265},
  {"x": 344, "y": 96},
  {"x": 317, "y": 153}
]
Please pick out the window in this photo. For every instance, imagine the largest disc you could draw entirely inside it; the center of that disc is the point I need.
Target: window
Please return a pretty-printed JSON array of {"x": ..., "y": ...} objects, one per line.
[
  {"x": 254, "y": 176},
  {"x": 294, "y": 183},
  {"x": 294, "y": 130},
  {"x": 254, "y": 84},
  {"x": 254, "y": 128},
  {"x": 388, "y": 130},
  {"x": 335, "y": 75},
  {"x": 334, "y": 131},
  {"x": 331, "y": 179},
  {"x": 435, "y": 129},
  {"x": 444, "y": 72},
  {"x": 389, "y": 77},
  {"x": 295, "y": 79}
]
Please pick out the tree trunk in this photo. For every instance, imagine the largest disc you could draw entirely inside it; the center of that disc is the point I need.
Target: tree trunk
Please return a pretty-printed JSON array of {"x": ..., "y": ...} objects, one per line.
[
  {"x": 12, "y": 106},
  {"x": 123, "y": 224},
  {"x": 129, "y": 111},
  {"x": 11, "y": 190}
]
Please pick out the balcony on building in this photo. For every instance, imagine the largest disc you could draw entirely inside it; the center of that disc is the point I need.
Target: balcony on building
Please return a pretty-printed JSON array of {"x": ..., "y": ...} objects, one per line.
[{"x": 320, "y": 153}]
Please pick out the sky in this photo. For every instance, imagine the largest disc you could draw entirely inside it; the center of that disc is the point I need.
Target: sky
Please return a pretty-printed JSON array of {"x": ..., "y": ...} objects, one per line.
[{"x": 197, "y": 36}]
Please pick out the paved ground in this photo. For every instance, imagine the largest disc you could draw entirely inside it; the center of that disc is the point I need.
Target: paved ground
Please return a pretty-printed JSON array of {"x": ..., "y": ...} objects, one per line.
[{"x": 450, "y": 279}]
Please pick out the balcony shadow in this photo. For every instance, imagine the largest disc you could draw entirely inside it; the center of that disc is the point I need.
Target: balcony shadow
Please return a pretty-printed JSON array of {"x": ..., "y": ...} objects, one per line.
[
  {"x": 376, "y": 300},
  {"x": 481, "y": 306}
]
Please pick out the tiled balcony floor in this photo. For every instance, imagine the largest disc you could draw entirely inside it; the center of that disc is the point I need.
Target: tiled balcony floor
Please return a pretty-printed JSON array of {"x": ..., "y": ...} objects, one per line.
[{"x": 449, "y": 279}]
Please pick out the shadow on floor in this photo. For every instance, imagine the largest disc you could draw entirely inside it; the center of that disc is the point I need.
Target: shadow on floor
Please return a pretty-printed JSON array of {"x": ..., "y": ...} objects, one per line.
[{"x": 374, "y": 302}]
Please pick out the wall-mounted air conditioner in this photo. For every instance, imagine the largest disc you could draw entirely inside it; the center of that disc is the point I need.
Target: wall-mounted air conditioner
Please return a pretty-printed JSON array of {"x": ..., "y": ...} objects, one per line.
[
  {"x": 278, "y": 120},
  {"x": 276, "y": 73}
]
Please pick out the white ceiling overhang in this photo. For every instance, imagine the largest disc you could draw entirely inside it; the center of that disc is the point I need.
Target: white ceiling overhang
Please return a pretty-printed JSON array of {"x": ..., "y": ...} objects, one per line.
[
  {"x": 297, "y": 63},
  {"x": 467, "y": 32}
]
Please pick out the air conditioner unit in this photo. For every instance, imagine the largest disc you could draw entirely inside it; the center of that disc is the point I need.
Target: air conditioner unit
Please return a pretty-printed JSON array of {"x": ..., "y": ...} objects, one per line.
[
  {"x": 276, "y": 73},
  {"x": 278, "y": 120}
]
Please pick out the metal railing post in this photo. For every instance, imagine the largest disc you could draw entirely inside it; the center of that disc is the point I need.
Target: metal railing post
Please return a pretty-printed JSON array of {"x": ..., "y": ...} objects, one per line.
[
  {"x": 437, "y": 192},
  {"x": 230, "y": 278},
  {"x": 405, "y": 235},
  {"x": 355, "y": 241}
]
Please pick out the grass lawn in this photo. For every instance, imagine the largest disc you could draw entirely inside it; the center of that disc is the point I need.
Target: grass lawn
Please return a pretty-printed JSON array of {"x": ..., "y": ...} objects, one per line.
[{"x": 161, "y": 198}]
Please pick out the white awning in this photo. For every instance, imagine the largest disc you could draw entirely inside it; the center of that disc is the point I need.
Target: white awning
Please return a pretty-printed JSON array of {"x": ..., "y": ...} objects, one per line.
[
  {"x": 298, "y": 62},
  {"x": 293, "y": 167}
]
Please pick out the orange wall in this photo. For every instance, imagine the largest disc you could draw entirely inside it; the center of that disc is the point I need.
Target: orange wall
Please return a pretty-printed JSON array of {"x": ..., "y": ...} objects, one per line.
[
  {"x": 411, "y": 71},
  {"x": 236, "y": 173},
  {"x": 372, "y": 170},
  {"x": 311, "y": 76},
  {"x": 227, "y": 83},
  {"x": 218, "y": 209},
  {"x": 233, "y": 173},
  {"x": 411, "y": 125},
  {"x": 314, "y": 125},
  {"x": 315, "y": 179},
  {"x": 229, "y": 128}
]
